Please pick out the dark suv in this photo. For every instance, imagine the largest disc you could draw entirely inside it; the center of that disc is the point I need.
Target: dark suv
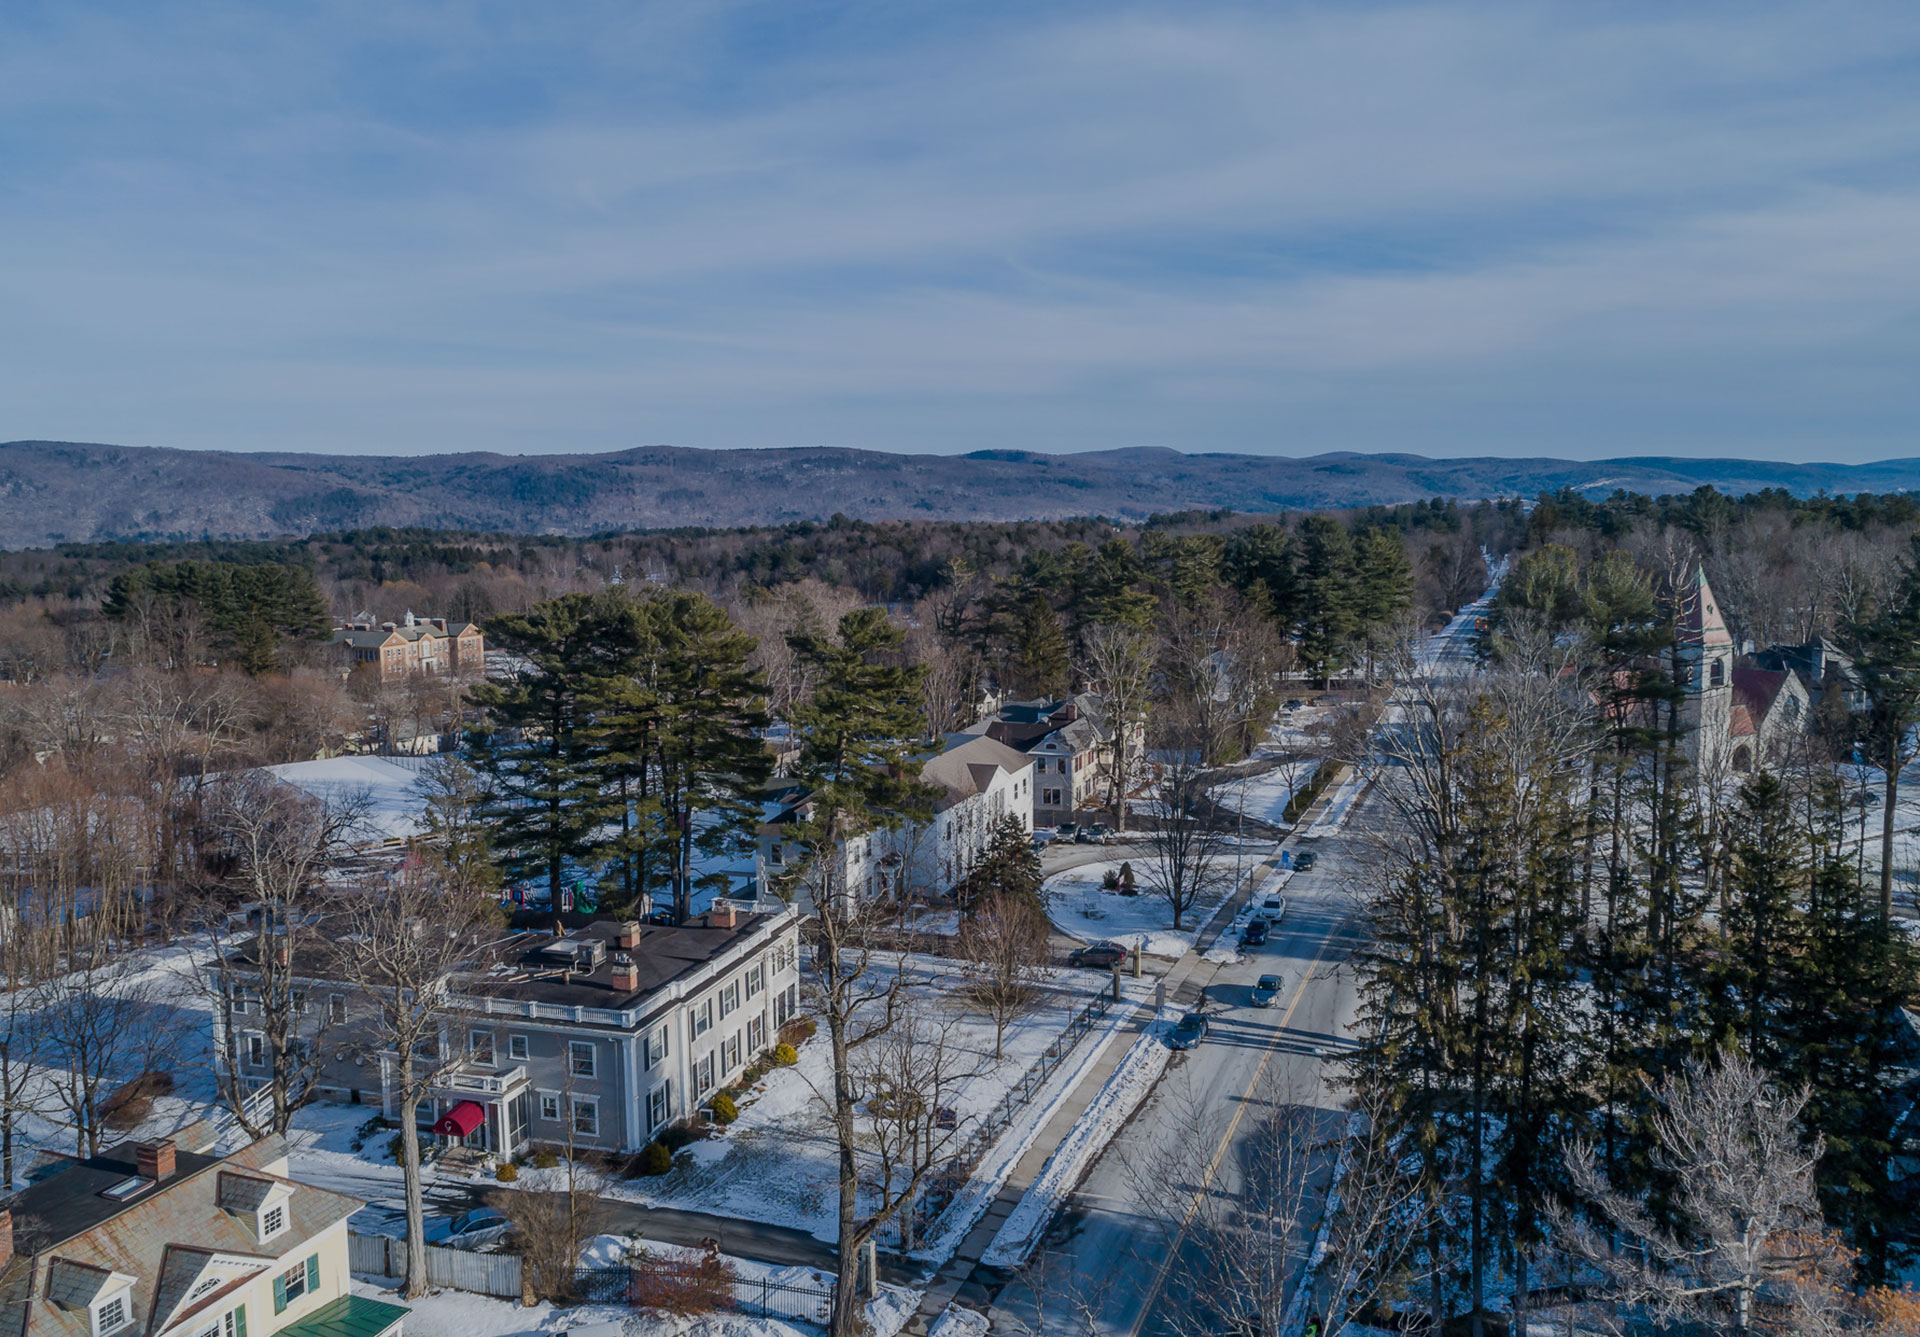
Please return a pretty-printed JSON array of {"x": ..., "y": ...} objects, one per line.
[{"x": 1100, "y": 956}]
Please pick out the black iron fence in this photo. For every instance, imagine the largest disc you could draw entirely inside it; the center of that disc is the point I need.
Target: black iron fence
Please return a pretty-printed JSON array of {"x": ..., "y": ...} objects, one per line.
[{"x": 943, "y": 1188}]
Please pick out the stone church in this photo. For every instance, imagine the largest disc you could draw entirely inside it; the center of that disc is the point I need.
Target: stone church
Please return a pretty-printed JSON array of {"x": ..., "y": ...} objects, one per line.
[{"x": 1736, "y": 718}]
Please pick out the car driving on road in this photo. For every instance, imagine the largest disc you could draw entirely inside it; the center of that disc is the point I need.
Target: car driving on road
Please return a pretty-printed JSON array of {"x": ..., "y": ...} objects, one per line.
[
  {"x": 1305, "y": 860},
  {"x": 1100, "y": 956},
  {"x": 1265, "y": 990},
  {"x": 1255, "y": 934},
  {"x": 1191, "y": 1030}
]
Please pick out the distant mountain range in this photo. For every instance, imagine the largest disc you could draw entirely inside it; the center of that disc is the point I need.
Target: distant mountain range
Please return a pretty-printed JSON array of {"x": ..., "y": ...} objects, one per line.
[{"x": 52, "y": 492}]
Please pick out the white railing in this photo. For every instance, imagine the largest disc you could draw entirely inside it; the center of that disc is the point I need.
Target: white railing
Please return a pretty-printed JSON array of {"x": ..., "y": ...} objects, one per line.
[{"x": 486, "y": 1083}]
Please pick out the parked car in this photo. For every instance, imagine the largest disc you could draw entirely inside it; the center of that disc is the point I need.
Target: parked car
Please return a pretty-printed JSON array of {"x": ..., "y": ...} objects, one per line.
[
  {"x": 1304, "y": 861},
  {"x": 1083, "y": 835},
  {"x": 1065, "y": 831},
  {"x": 1099, "y": 834},
  {"x": 1256, "y": 932},
  {"x": 1294, "y": 703},
  {"x": 482, "y": 1225},
  {"x": 1189, "y": 1033},
  {"x": 1274, "y": 908},
  {"x": 1265, "y": 990},
  {"x": 1100, "y": 956},
  {"x": 1040, "y": 842}
]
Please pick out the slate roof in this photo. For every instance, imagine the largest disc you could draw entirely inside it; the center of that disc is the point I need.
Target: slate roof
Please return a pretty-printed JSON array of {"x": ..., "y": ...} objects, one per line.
[
  {"x": 1700, "y": 620},
  {"x": 971, "y": 767},
  {"x": 65, "y": 1234}
]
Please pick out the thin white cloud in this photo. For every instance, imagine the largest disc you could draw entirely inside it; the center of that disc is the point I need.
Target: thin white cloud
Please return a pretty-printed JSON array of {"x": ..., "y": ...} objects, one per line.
[{"x": 1404, "y": 227}]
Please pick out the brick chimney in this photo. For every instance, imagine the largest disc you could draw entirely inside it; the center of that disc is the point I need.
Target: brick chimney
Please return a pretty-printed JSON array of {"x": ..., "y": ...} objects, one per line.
[
  {"x": 627, "y": 936},
  {"x": 626, "y": 973},
  {"x": 154, "y": 1160},
  {"x": 721, "y": 916}
]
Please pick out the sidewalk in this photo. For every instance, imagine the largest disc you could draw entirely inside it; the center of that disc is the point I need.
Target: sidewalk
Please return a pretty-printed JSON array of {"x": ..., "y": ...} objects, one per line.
[{"x": 957, "y": 1280}]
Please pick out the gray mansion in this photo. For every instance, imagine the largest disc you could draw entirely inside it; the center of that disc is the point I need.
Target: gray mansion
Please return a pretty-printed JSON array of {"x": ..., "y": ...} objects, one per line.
[{"x": 597, "y": 1038}]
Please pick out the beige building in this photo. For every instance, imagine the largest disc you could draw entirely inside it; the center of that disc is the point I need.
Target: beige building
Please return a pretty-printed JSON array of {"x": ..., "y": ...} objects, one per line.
[
  {"x": 151, "y": 1240},
  {"x": 395, "y": 650}
]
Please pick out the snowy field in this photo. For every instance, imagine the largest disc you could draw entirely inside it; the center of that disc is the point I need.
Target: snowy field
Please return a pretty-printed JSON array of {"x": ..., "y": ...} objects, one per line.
[
  {"x": 778, "y": 1162},
  {"x": 387, "y": 791},
  {"x": 1264, "y": 797},
  {"x": 1084, "y": 909}
]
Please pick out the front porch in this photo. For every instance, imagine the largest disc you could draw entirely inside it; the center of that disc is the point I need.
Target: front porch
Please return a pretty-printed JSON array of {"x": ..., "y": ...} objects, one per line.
[{"x": 481, "y": 1112}]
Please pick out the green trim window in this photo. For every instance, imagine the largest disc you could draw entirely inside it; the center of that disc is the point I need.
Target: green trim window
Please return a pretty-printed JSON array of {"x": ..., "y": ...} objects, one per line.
[{"x": 295, "y": 1282}]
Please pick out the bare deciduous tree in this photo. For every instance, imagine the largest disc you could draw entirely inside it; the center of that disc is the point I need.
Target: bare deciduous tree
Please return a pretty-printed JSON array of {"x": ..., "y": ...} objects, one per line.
[
  {"x": 1744, "y": 1189},
  {"x": 1119, "y": 665},
  {"x": 273, "y": 843},
  {"x": 404, "y": 943},
  {"x": 1004, "y": 940},
  {"x": 97, "y": 1029},
  {"x": 1187, "y": 846}
]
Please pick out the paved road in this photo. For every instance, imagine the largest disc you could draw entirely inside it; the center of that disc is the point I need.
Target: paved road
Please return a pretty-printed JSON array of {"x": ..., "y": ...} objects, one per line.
[{"x": 1106, "y": 1266}]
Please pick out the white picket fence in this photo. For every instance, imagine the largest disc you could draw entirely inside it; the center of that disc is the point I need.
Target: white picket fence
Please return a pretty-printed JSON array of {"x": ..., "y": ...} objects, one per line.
[{"x": 495, "y": 1274}]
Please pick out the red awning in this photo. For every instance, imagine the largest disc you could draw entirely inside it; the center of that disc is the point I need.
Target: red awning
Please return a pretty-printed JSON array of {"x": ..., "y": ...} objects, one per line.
[{"x": 461, "y": 1120}]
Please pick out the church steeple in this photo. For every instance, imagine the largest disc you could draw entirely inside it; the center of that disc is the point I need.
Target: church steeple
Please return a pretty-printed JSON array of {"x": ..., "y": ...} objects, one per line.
[{"x": 1701, "y": 625}]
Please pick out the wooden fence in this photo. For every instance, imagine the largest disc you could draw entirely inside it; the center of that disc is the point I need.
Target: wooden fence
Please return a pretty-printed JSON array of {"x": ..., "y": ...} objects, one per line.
[{"x": 495, "y": 1274}]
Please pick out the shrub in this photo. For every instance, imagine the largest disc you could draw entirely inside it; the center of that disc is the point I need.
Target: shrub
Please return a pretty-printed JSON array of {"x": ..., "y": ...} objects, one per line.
[
  {"x": 130, "y": 1104},
  {"x": 394, "y": 1151},
  {"x": 798, "y": 1031},
  {"x": 724, "y": 1110},
  {"x": 656, "y": 1159},
  {"x": 545, "y": 1160},
  {"x": 1111, "y": 881},
  {"x": 505, "y": 1172},
  {"x": 785, "y": 1054},
  {"x": 681, "y": 1286}
]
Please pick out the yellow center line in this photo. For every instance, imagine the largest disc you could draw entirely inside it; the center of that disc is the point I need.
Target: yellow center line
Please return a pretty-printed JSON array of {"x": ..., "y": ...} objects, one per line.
[{"x": 1220, "y": 1152}]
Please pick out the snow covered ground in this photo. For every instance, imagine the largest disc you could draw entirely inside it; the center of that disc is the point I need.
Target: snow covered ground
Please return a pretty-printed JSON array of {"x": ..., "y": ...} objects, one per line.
[
  {"x": 387, "y": 789},
  {"x": 778, "y": 1163},
  {"x": 1084, "y": 909},
  {"x": 1264, "y": 797},
  {"x": 457, "y": 1314},
  {"x": 1104, "y": 1117},
  {"x": 1339, "y": 803}
]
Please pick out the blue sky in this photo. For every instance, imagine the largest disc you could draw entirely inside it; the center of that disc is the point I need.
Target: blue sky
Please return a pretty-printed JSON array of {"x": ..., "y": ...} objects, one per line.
[{"x": 1468, "y": 228}]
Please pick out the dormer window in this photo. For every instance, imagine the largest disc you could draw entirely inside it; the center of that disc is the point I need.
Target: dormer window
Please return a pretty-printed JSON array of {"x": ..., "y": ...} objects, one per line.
[
  {"x": 273, "y": 1220},
  {"x": 111, "y": 1314}
]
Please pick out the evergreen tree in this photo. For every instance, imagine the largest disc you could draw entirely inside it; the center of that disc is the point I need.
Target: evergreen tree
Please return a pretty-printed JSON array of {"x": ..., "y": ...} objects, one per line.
[
  {"x": 1887, "y": 651},
  {"x": 1259, "y": 563},
  {"x": 1327, "y": 596},
  {"x": 249, "y": 608},
  {"x": 1037, "y": 666},
  {"x": 858, "y": 734},
  {"x": 1008, "y": 870},
  {"x": 544, "y": 790}
]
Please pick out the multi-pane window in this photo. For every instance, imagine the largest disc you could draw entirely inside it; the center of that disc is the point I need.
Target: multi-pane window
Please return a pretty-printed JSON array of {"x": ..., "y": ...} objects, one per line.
[
  {"x": 756, "y": 979},
  {"x": 517, "y": 1048},
  {"x": 480, "y": 1047},
  {"x": 757, "y": 1034},
  {"x": 656, "y": 1046},
  {"x": 659, "y": 1105},
  {"x": 702, "y": 1017},
  {"x": 257, "y": 1050},
  {"x": 336, "y": 1008},
  {"x": 273, "y": 1221},
  {"x": 703, "y": 1074},
  {"x": 586, "y": 1116},
  {"x": 730, "y": 998},
  {"x": 580, "y": 1058},
  {"x": 295, "y": 1281},
  {"x": 111, "y": 1316},
  {"x": 550, "y": 1105}
]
